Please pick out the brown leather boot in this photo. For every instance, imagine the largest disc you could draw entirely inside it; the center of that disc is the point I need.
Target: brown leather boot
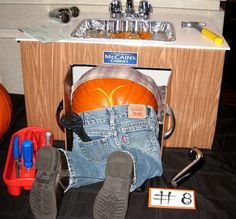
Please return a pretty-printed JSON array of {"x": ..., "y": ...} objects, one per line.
[
  {"x": 112, "y": 200},
  {"x": 51, "y": 180}
]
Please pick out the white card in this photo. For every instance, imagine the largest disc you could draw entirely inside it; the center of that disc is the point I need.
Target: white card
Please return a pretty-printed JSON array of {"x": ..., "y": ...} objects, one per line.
[{"x": 171, "y": 198}]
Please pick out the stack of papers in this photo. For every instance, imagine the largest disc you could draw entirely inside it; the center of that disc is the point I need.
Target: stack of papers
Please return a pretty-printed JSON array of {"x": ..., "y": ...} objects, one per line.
[{"x": 43, "y": 34}]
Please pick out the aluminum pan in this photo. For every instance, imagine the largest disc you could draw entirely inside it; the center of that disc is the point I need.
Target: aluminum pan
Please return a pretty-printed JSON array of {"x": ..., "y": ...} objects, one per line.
[{"x": 125, "y": 29}]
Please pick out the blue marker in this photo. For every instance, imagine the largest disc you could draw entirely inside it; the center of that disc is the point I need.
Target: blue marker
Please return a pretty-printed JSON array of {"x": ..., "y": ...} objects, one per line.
[{"x": 27, "y": 153}]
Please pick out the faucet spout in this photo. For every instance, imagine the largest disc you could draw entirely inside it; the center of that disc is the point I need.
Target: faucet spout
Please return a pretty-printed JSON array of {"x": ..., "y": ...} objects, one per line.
[{"x": 129, "y": 6}]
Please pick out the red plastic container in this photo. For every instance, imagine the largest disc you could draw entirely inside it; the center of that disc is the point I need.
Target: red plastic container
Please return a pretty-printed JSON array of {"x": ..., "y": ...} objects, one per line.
[{"x": 26, "y": 178}]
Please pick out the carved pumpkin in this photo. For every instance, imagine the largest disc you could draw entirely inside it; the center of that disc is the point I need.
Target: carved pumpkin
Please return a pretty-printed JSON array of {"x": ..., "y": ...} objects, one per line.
[
  {"x": 105, "y": 92},
  {"x": 5, "y": 110}
]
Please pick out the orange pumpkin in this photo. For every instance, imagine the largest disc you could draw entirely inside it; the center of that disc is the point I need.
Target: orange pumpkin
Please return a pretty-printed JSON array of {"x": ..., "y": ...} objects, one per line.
[
  {"x": 105, "y": 92},
  {"x": 5, "y": 110}
]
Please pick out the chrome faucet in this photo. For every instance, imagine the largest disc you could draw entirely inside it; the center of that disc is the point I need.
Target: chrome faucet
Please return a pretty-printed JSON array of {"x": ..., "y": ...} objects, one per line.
[
  {"x": 115, "y": 7},
  {"x": 144, "y": 9},
  {"x": 129, "y": 6}
]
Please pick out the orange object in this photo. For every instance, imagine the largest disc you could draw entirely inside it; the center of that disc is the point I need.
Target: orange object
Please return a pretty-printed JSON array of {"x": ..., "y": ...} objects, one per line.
[
  {"x": 5, "y": 110},
  {"x": 26, "y": 178},
  {"x": 105, "y": 92},
  {"x": 145, "y": 35}
]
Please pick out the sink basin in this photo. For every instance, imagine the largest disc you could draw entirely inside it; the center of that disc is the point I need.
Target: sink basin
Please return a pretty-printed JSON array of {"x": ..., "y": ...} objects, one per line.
[{"x": 125, "y": 29}]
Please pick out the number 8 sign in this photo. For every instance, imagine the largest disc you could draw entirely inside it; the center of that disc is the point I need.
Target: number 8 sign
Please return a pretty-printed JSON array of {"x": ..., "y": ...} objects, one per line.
[{"x": 171, "y": 198}]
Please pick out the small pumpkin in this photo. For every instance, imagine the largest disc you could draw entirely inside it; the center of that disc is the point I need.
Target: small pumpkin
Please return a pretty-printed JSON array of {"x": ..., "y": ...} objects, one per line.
[
  {"x": 105, "y": 92},
  {"x": 5, "y": 110}
]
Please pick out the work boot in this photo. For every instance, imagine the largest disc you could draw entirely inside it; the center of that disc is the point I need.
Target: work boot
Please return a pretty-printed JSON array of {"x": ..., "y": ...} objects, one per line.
[
  {"x": 51, "y": 180},
  {"x": 112, "y": 200}
]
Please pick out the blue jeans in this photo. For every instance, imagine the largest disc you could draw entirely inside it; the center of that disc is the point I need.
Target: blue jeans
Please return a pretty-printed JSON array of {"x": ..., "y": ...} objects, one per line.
[{"x": 111, "y": 130}]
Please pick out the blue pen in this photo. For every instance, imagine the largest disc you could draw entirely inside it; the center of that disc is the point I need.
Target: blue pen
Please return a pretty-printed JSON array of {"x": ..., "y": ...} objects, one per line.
[
  {"x": 27, "y": 153},
  {"x": 16, "y": 155}
]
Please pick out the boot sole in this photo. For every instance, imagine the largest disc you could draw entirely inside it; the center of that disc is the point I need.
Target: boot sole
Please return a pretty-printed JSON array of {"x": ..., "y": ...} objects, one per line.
[
  {"x": 43, "y": 200},
  {"x": 112, "y": 200}
]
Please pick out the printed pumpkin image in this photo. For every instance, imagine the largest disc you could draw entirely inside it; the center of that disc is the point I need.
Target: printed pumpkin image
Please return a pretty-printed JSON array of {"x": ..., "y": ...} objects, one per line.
[{"x": 104, "y": 92}]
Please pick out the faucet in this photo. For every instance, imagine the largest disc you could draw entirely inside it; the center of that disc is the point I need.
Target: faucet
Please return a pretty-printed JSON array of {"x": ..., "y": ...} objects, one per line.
[
  {"x": 144, "y": 9},
  {"x": 115, "y": 7},
  {"x": 129, "y": 6}
]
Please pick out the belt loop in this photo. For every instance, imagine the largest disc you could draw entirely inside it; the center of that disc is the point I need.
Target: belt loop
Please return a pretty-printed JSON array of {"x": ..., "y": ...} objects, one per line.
[
  {"x": 112, "y": 117},
  {"x": 83, "y": 118}
]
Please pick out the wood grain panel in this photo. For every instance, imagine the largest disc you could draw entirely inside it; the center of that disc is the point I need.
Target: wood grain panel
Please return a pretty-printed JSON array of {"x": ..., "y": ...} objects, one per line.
[
  {"x": 194, "y": 97},
  {"x": 193, "y": 92}
]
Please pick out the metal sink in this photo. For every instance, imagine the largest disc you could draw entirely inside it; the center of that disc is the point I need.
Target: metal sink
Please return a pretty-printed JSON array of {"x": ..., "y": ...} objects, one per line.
[{"x": 125, "y": 29}]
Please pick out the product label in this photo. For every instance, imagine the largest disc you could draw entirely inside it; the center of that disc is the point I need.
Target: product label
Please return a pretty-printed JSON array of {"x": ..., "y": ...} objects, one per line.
[
  {"x": 129, "y": 58},
  {"x": 137, "y": 111}
]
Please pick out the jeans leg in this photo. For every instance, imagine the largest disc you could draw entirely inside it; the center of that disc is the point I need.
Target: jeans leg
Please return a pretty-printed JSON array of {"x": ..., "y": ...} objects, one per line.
[
  {"x": 145, "y": 167},
  {"x": 82, "y": 172}
]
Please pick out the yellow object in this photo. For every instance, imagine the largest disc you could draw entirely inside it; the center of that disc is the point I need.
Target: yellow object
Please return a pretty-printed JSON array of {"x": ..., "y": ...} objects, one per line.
[{"x": 211, "y": 35}]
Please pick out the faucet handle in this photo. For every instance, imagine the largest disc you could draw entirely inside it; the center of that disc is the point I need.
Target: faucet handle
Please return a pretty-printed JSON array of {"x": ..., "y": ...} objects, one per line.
[
  {"x": 115, "y": 6},
  {"x": 145, "y": 8},
  {"x": 129, "y": 6}
]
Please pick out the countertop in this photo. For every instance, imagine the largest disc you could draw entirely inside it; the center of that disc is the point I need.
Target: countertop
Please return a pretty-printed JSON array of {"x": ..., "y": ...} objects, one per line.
[{"x": 185, "y": 37}]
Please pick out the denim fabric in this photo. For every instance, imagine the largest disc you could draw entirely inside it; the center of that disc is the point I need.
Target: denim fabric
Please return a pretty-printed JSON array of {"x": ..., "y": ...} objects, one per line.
[{"x": 111, "y": 130}]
